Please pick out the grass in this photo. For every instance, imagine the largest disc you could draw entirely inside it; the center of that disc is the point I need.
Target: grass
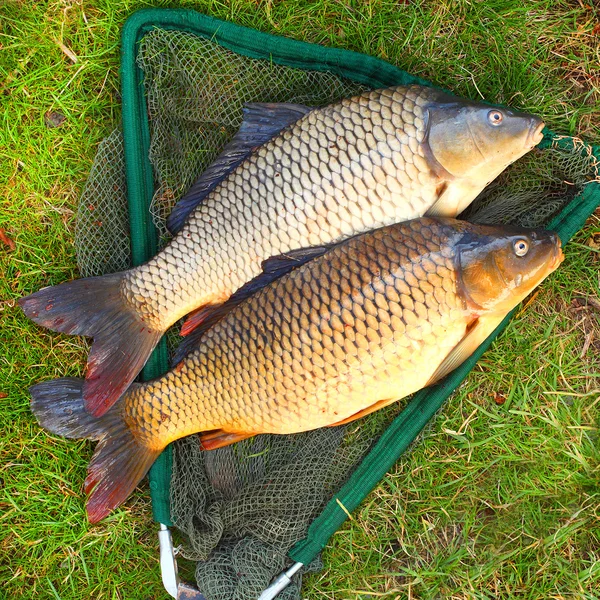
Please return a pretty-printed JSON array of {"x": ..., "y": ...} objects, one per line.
[{"x": 500, "y": 498}]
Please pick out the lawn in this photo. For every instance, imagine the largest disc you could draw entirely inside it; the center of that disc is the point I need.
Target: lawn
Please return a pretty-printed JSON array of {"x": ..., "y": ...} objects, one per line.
[{"x": 500, "y": 498}]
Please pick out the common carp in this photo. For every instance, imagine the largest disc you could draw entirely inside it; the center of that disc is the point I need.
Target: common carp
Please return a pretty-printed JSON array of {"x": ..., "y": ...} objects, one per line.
[
  {"x": 292, "y": 177},
  {"x": 372, "y": 319}
]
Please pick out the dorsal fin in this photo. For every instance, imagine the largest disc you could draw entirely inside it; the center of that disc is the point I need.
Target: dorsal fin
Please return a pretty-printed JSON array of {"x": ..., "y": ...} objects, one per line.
[
  {"x": 273, "y": 268},
  {"x": 279, "y": 265},
  {"x": 260, "y": 123}
]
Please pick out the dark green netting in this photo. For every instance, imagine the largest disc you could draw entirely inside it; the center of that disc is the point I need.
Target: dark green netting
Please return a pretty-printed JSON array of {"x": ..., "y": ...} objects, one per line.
[{"x": 242, "y": 509}]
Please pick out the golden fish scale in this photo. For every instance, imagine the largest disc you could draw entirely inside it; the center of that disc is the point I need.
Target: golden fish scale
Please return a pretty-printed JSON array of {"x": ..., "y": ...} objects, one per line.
[
  {"x": 343, "y": 169},
  {"x": 370, "y": 320}
]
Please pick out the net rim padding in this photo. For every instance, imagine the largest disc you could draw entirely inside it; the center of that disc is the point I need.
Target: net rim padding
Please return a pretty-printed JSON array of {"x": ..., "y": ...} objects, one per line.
[{"x": 358, "y": 67}]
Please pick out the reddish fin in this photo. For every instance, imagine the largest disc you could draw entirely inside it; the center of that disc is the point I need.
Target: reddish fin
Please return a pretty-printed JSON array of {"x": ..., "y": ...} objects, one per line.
[
  {"x": 205, "y": 317},
  {"x": 365, "y": 411},
  {"x": 119, "y": 461},
  {"x": 197, "y": 317},
  {"x": 272, "y": 268},
  {"x": 94, "y": 307},
  {"x": 219, "y": 439}
]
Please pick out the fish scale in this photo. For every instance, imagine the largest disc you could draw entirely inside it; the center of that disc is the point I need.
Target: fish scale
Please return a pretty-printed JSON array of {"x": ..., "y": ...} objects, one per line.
[
  {"x": 349, "y": 330},
  {"x": 368, "y": 178},
  {"x": 318, "y": 345}
]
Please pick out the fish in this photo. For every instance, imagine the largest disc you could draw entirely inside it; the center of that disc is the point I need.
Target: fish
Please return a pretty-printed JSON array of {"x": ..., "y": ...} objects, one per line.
[
  {"x": 353, "y": 328},
  {"x": 292, "y": 177}
]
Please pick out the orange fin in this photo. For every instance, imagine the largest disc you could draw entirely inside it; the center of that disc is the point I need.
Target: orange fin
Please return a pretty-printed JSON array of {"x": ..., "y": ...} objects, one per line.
[
  {"x": 200, "y": 320},
  {"x": 219, "y": 439},
  {"x": 197, "y": 317},
  {"x": 365, "y": 411},
  {"x": 272, "y": 268}
]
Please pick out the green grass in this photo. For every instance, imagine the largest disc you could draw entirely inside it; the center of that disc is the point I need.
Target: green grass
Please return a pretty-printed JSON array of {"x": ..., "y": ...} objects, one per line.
[{"x": 496, "y": 501}]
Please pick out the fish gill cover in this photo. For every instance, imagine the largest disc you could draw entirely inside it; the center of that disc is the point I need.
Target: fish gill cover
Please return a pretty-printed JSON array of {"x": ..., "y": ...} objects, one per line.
[{"x": 241, "y": 508}]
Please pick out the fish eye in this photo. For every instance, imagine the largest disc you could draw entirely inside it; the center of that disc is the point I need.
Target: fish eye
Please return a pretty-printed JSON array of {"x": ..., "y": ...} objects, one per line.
[
  {"x": 521, "y": 247},
  {"x": 495, "y": 117}
]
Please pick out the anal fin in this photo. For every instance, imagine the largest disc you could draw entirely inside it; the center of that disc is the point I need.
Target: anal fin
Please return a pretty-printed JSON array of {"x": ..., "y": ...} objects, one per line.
[
  {"x": 218, "y": 438},
  {"x": 197, "y": 317},
  {"x": 199, "y": 321}
]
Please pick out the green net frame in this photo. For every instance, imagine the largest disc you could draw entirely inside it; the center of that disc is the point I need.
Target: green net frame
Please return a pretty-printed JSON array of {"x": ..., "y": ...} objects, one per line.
[{"x": 144, "y": 239}]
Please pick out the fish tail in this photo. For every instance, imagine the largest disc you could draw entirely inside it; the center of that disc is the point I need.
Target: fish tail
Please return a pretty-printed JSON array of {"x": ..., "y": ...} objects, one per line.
[
  {"x": 119, "y": 462},
  {"x": 95, "y": 307}
]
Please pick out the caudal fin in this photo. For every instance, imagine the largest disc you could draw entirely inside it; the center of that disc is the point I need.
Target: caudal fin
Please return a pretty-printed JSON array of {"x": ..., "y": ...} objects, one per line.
[
  {"x": 119, "y": 462},
  {"x": 95, "y": 307}
]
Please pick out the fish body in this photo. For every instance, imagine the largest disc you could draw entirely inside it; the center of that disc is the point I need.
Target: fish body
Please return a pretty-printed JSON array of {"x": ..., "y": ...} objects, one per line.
[
  {"x": 373, "y": 319},
  {"x": 318, "y": 345},
  {"x": 382, "y": 157}
]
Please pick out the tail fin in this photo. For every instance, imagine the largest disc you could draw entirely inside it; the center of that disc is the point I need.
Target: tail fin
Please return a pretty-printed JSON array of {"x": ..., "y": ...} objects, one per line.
[
  {"x": 119, "y": 462},
  {"x": 95, "y": 307}
]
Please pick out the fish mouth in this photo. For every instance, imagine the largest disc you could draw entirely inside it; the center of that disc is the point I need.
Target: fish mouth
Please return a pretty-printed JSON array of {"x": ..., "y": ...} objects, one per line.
[{"x": 535, "y": 135}]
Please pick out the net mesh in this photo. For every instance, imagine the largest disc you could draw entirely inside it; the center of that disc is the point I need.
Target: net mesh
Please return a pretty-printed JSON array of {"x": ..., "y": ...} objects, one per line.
[
  {"x": 102, "y": 225},
  {"x": 537, "y": 187},
  {"x": 241, "y": 508}
]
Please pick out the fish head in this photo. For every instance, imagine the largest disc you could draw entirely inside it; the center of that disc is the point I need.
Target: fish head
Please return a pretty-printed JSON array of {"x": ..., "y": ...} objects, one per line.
[
  {"x": 477, "y": 141},
  {"x": 498, "y": 266}
]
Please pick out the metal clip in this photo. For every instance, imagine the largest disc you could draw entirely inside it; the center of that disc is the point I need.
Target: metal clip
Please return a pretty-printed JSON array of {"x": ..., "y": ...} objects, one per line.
[
  {"x": 281, "y": 582},
  {"x": 168, "y": 564}
]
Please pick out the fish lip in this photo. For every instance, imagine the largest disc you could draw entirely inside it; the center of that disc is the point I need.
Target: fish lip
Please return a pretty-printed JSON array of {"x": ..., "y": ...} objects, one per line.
[{"x": 535, "y": 135}]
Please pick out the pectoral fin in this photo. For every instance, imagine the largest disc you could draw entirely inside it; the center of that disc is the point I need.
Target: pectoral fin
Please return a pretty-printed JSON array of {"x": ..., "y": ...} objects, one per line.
[
  {"x": 476, "y": 333},
  {"x": 365, "y": 411},
  {"x": 452, "y": 199}
]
